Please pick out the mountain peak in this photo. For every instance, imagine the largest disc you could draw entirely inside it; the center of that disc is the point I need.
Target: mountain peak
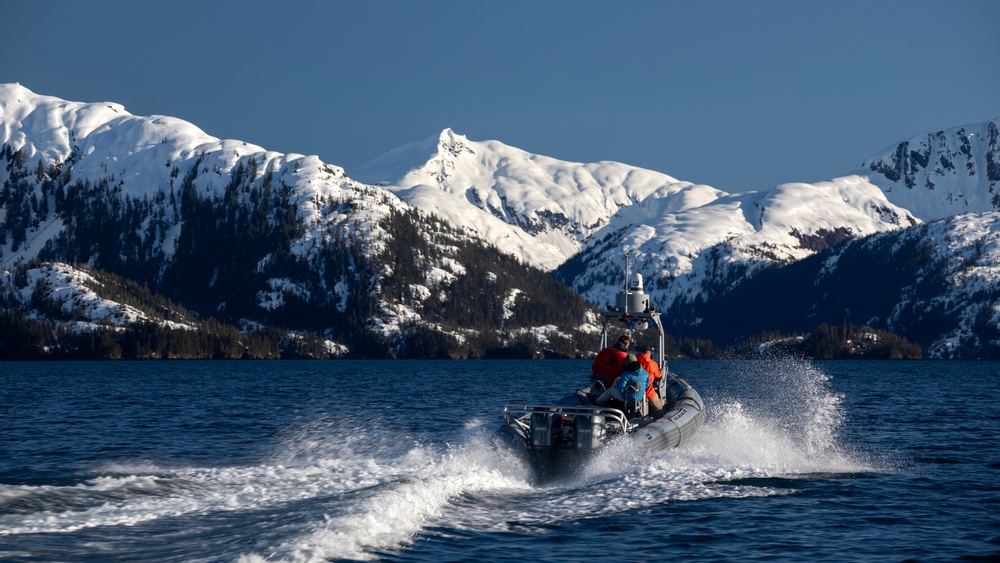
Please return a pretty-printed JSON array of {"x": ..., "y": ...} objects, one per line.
[
  {"x": 454, "y": 144},
  {"x": 14, "y": 89},
  {"x": 936, "y": 175}
]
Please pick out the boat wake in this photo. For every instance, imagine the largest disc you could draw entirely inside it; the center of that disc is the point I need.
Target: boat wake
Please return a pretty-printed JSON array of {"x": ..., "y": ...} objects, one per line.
[{"x": 330, "y": 491}]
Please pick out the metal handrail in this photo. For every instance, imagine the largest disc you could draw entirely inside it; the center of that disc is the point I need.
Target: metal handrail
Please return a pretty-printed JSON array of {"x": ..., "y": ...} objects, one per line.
[{"x": 513, "y": 414}]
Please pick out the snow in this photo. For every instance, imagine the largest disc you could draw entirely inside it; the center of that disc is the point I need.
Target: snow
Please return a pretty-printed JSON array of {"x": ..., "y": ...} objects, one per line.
[
  {"x": 964, "y": 252},
  {"x": 510, "y": 302},
  {"x": 71, "y": 290},
  {"x": 970, "y": 246},
  {"x": 420, "y": 292},
  {"x": 280, "y": 287},
  {"x": 144, "y": 155},
  {"x": 541, "y": 334},
  {"x": 33, "y": 245},
  {"x": 437, "y": 276},
  {"x": 545, "y": 211},
  {"x": 537, "y": 208},
  {"x": 393, "y": 319}
]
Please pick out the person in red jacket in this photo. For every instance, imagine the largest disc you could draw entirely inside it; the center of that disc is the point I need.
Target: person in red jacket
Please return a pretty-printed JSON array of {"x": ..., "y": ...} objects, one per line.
[
  {"x": 649, "y": 364},
  {"x": 609, "y": 363}
]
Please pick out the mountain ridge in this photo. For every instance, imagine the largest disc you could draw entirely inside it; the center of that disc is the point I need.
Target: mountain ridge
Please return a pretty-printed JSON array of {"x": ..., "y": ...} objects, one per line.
[
  {"x": 523, "y": 202},
  {"x": 394, "y": 257},
  {"x": 536, "y": 206}
]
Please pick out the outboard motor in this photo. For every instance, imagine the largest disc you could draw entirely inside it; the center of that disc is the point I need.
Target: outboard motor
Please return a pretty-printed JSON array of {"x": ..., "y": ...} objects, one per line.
[
  {"x": 546, "y": 439},
  {"x": 588, "y": 432}
]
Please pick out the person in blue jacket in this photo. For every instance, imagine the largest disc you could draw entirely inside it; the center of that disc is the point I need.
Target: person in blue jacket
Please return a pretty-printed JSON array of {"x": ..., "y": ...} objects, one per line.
[{"x": 619, "y": 390}]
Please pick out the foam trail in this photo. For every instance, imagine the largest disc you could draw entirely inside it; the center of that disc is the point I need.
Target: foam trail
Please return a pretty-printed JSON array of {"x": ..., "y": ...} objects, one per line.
[
  {"x": 423, "y": 484},
  {"x": 132, "y": 500}
]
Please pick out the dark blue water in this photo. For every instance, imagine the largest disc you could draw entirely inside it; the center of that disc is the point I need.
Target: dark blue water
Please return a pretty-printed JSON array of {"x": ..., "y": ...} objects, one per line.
[{"x": 315, "y": 461}]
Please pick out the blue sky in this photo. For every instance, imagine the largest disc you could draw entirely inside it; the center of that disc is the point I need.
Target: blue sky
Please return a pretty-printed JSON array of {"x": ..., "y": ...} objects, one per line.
[{"x": 738, "y": 95}]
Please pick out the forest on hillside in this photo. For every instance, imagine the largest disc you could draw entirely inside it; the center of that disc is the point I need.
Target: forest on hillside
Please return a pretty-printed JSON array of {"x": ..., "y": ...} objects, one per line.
[{"x": 229, "y": 259}]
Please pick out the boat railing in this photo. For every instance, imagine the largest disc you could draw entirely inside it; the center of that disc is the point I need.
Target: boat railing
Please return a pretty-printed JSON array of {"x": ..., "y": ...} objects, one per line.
[{"x": 514, "y": 415}]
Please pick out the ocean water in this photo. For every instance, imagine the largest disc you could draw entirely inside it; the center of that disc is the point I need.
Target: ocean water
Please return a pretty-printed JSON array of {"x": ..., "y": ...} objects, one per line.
[{"x": 393, "y": 461}]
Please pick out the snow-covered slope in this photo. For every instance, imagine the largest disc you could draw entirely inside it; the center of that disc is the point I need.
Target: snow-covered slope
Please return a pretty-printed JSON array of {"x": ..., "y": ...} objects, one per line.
[
  {"x": 682, "y": 252},
  {"x": 940, "y": 174},
  {"x": 537, "y": 208},
  {"x": 965, "y": 256},
  {"x": 145, "y": 155},
  {"x": 936, "y": 284},
  {"x": 74, "y": 293}
]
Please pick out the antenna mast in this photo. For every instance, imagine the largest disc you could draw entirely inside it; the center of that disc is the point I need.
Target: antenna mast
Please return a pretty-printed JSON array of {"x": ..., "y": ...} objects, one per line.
[{"x": 626, "y": 271}]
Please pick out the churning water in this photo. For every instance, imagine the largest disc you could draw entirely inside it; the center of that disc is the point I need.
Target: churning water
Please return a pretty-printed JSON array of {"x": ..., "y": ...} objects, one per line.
[{"x": 381, "y": 460}]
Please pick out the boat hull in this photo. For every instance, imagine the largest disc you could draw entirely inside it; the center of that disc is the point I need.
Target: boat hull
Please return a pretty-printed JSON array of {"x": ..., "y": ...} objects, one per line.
[
  {"x": 677, "y": 424},
  {"x": 559, "y": 438}
]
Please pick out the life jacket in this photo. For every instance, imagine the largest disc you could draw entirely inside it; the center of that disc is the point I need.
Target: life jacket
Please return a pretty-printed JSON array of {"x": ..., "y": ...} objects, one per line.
[
  {"x": 608, "y": 365},
  {"x": 650, "y": 366}
]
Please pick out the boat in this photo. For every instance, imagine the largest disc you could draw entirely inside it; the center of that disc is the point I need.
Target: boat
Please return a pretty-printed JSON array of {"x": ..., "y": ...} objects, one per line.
[{"x": 559, "y": 437}]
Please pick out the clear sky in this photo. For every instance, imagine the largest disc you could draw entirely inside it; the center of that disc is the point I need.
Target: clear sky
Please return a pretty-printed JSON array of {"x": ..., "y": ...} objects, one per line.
[{"x": 738, "y": 95}]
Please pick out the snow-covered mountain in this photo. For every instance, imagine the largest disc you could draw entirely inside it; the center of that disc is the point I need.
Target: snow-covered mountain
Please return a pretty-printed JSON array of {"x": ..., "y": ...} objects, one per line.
[
  {"x": 535, "y": 207},
  {"x": 140, "y": 157},
  {"x": 684, "y": 253},
  {"x": 74, "y": 294},
  {"x": 547, "y": 211},
  {"x": 937, "y": 283},
  {"x": 424, "y": 249},
  {"x": 941, "y": 174},
  {"x": 694, "y": 244},
  {"x": 254, "y": 237},
  {"x": 959, "y": 282}
]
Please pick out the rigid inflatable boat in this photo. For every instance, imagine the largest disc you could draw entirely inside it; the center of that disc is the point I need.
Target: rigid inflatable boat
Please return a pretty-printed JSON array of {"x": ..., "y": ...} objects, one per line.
[{"x": 558, "y": 437}]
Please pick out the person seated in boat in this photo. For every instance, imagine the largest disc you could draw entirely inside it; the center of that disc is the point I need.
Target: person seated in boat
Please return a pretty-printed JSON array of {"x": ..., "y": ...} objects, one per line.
[
  {"x": 633, "y": 373},
  {"x": 649, "y": 364},
  {"x": 609, "y": 363}
]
